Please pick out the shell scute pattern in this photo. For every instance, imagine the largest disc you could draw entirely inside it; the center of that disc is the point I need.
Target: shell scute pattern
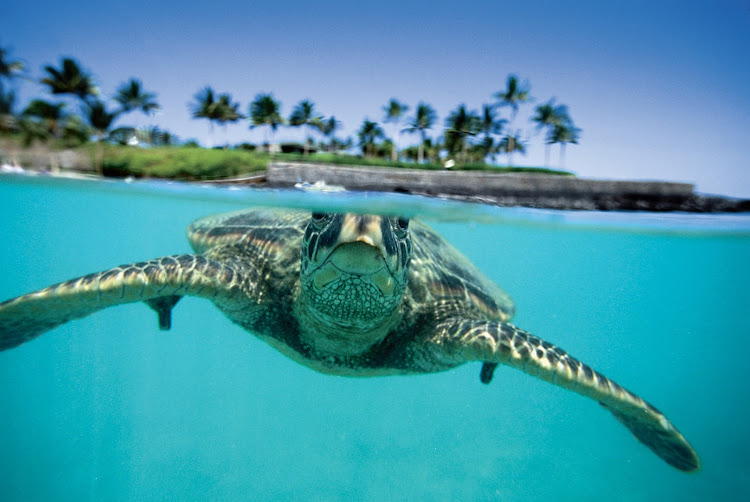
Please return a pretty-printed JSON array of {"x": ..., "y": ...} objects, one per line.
[
  {"x": 445, "y": 274},
  {"x": 264, "y": 228}
]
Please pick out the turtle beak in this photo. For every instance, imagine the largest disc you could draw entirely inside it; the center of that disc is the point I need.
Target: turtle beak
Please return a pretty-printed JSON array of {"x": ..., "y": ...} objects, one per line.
[{"x": 357, "y": 258}]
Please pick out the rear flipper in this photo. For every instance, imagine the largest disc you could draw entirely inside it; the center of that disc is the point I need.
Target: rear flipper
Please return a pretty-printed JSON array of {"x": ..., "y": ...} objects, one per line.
[
  {"x": 160, "y": 283},
  {"x": 487, "y": 372},
  {"x": 163, "y": 306},
  {"x": 496, "y": 342}
]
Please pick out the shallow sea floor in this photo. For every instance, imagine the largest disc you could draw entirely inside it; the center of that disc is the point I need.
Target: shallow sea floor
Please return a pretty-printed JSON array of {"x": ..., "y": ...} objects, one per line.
[{"x": 111, "y": 408}]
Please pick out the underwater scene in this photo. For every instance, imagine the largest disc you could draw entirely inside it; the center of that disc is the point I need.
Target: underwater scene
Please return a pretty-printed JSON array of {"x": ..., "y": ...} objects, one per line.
[{"x": 110, "y": 407}]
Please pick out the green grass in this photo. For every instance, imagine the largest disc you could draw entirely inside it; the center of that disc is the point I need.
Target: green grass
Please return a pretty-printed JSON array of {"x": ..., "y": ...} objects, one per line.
[
  {"x": 186, "y": 163},
  {"x": 181, "y": 163},
  {"x": 194, "y": 163}
]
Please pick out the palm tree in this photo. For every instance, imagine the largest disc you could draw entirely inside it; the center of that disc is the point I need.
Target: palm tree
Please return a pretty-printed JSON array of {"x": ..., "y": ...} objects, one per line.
[
  {"x": 304, "y": 115},
  {"x": 489, "y": 123},
  {"x": 131, "y": 96},
  {"x": 125, "y": 135},
  {"x": 394, "y": 111},
  {"x": 368, "y": 133},
  {"x": 206, "y": 105},
  {"x": 9, "y": 69},
  {"x": 153, "y": 135},
  {"x": 515, "y": 93},
  {"x": 74, "y": 131},
  {"x": 511, "y": 143},
  {"x": 548, "y": 116},
  {"x": 202, "y": 107},
  {"x": 264, "y": 110},
  {"x": 225, "y": 112},
  {"x": 460, "y": 125},
  {"x": 70, "y": 79},
  {"x": 100, "y": 119},
  {"x": 490, "y": 126},
  {"x": 545, "y": 118},
  {"x": 7, "y": 115},
  {"x": 383, "y": 149},
  {"x": 341, "y": 144},
  {"x": 487, "y": 147},
  {"x": 33, "y": 130},
  {"x": 49, "y": 115},
  {"x": 562, "y": 134},
  {"x": 40, "y": 121},
  {"x": 432, "y": 149},
  {"x": 424, "y": 118},
  {"x": 328, "y": 129}
]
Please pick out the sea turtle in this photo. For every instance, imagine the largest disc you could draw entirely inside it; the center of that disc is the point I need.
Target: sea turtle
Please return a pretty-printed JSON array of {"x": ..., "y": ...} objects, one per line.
[{"x": 344, "y": 294}]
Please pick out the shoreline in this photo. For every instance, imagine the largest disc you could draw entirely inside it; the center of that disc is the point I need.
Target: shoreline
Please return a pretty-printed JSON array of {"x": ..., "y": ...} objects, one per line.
[
  {"x": 503, "y": 189},
  {"x": 531, "y": 190}
]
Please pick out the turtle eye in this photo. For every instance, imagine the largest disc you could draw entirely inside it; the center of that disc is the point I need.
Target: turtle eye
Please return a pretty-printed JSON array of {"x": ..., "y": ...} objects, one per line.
[
  {"x": 402, "y": 225},
  {"x": 319, "y": 218}
]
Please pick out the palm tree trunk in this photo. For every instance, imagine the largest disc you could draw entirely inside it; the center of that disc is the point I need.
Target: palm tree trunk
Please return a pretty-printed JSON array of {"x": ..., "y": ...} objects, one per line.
[
  {"x": 420, "y": 149},
  {"x": 394, "y": 148},
  {"x": 562, "y": 154},
  {"x": 511, "y": 149},
  {"x": 268, "y": 134},
  {"x": 308, "y": 141},
  {"x": 546, "y": 155},
  {"x": 99, "y": 157},
  {"x": 210, "y": 133}
]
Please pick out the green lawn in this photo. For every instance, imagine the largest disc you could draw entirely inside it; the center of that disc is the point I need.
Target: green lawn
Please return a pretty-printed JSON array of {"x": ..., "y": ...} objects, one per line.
[
  {"x": 186, "y": 163},
  {"x": 195, "y": 163},
  {"x": 182, "y": 163}
]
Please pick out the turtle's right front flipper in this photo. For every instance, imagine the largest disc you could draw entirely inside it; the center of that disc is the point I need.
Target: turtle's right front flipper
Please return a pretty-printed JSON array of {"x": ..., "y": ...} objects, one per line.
[{"x": 159, "y": 283}]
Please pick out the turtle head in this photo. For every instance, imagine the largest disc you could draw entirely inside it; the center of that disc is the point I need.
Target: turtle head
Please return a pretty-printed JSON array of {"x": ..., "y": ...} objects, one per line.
[{"x": 354, "y": 267}]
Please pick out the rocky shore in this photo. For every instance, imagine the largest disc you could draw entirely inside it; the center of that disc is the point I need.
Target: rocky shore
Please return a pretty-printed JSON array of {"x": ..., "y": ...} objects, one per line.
[
  {"x": 508, "y": 189},
  {"x": 501, "y": 189}
]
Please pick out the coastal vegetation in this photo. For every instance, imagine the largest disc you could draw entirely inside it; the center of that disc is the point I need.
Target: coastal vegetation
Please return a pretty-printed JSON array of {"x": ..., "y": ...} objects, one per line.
[{"x": 75, "y": 114}]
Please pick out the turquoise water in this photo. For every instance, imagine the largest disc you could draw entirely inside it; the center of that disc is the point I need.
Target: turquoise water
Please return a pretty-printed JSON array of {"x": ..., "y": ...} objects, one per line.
[{"x": 111, "y": 408}]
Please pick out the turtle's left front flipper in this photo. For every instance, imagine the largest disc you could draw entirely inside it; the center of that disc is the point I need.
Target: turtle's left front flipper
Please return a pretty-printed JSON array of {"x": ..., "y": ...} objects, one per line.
[
  {"x": 497, "y": 342},
  {"x": 159, "y": 283}
]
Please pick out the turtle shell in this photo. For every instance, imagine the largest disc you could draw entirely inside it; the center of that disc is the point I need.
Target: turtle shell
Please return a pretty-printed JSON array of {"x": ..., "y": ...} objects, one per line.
[{"x": 439, "y": 274}]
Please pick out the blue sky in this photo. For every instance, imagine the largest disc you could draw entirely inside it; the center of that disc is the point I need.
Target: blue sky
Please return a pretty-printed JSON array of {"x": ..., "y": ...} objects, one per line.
[{"x": 659, "y": 88}]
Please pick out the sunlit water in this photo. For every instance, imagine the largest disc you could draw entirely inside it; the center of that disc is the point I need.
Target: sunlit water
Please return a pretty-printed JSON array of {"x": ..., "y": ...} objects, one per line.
[{"x": 111, "y": 408}]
